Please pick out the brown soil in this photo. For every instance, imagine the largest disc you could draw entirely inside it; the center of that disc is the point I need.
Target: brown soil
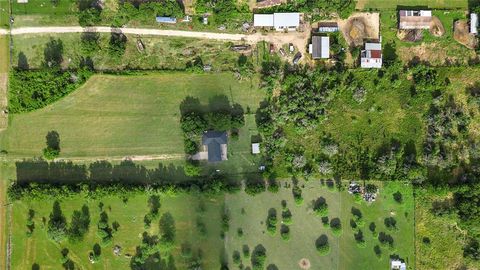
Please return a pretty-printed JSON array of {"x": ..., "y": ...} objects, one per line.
[
  {"x": 410, "y": 35},
  {"x": 436, "y": 27},
  {"x": 360, "y": 26},
  {"x": 304, "y": 263},
  {"x": 461, "y": 34}
]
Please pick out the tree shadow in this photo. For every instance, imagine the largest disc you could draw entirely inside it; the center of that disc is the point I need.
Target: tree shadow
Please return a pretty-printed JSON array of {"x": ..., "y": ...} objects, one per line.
[
  {"x": 190, "y": 105},
  {"x": 53, "y": 53},
  {"x": 53, "y": 140},
  {"x": 22, "y": 63}
]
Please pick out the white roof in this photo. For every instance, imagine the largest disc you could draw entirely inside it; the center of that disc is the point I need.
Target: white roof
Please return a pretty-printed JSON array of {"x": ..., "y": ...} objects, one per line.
[
  {"x": 263, "y": 20},
  {"x": 426, "y": 13},
  {"x": 255, "y": 148},
  {"x": 398, "y": 265},
  {"x": 277, "y": 20},
  {"x": 325, "y": 47},
  {"x": 373, "y": 46},
  {"x": 282, "y": 20},
  {"x": 473, "y": 23}
]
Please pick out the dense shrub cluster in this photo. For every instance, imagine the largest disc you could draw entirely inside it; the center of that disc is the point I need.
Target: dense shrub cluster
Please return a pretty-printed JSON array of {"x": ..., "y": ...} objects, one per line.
[{"x": 34, "y": 89}]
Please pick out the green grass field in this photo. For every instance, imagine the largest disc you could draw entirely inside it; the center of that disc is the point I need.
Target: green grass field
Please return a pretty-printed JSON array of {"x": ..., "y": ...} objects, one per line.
[
  {"x": 307, "y": 227},
  {"x": 393, "y": 4},
  {"x": 126, "y": 115},
  {"x": 46, "y": 253}
]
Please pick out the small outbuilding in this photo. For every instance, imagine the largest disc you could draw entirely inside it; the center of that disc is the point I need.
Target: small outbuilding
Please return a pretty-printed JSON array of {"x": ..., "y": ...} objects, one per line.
[
  {"x": 255, "y": 148},
  {"x": 371, "y": 57},
  {"x": 320, "y": 47},
  {"x": 474, "y": 23},
  {"x": 327, "y": 27},
  {"x": 397, "y": 265},
  {"x": 166, "y": 20}
]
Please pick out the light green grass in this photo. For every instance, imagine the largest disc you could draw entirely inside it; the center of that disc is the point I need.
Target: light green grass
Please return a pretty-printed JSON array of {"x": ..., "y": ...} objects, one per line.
[
  {"x": 307, "y": 227},
  {"x": 39, "y": 249},
  {"x": 159, "y": 53},
  {"x": 393, "y": 4},
  {"x": 123, "y": 115}
]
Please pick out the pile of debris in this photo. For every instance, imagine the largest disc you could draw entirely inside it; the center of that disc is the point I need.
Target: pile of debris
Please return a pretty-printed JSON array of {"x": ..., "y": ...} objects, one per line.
[
  {"x": 462, "y": 35},
  {"x": 354, "y": 188},
  {"x": 436, "y": 27},
  {"x": 411, "y": 35}
]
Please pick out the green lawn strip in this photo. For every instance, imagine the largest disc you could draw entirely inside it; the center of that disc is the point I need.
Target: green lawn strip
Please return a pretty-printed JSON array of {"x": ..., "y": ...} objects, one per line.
[
  {"x": 39, "y": 249},
  {"x": 160, "y": 52},
  {"x": 124, "y": 115},
  {"x": 393, "y": 4}
]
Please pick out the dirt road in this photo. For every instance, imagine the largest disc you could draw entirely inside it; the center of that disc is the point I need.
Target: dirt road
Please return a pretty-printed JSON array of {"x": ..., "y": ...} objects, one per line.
[{"x": 298, "y": 38}]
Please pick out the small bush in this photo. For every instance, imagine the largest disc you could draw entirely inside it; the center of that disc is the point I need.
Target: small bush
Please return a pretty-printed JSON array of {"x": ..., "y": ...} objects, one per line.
[{"x": 322, "y": 245}]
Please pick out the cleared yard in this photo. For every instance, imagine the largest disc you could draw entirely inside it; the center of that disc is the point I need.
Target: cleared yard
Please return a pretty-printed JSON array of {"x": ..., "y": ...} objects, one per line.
[{"x": 124, "y": 115}]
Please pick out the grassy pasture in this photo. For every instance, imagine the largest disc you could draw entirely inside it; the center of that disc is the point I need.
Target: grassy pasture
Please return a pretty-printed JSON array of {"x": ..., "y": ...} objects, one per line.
[
  {"x": 307, "y": 227},
  {"x": 126, "y": 115},
  {"x": 39, "y": 249},
  {"x": 393, "y": 4},
  {"x": 160, "y": 52}
]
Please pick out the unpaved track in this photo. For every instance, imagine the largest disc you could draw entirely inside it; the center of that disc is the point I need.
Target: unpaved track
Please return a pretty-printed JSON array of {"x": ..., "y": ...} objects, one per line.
[
  {"x": 274, "y": 37},
  {"x": 135, "y": 31}
]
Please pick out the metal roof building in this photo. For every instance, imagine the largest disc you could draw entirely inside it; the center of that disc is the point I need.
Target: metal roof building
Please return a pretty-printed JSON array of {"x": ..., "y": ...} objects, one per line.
[
  {"x": 473, "y": 23},
  {"x": 415, "y": 19},
  {"x": 279, "y": 21},
  {"x": 371, "y": 57},
  {"x": 320, "y": 47},
  {"x": 166, "y": 19}
]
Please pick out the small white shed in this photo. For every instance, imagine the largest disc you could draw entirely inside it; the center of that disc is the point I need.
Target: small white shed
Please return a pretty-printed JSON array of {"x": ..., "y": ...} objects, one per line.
[{"x": 255, "y": 148}]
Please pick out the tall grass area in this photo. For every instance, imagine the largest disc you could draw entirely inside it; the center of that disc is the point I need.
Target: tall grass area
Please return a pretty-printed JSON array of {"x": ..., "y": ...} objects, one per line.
[{"x": 159, "y": 52}]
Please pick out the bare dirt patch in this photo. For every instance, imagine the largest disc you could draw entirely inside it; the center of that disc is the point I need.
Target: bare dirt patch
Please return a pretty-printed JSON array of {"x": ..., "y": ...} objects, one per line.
[
  {"x": 359, "y": 27},
  {"x": 462, "y": 34},
  {"x": 304, "y": 263},
  {"x": 410, "y": 35},
  {"x": 436, "y": 27}
]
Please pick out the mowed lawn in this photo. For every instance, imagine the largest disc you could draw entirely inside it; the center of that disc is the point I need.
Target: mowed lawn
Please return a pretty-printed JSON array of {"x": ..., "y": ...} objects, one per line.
[
  {"x": 123, "y": 115},
  {"x": 39, "y": 249},
  {"x": 393, "y": 4},
  {"x": 250, "y": 214}
]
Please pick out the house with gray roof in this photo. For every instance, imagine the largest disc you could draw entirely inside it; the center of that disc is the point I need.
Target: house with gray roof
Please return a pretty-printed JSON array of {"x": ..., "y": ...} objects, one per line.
[{"x": 215, "y": 144}]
